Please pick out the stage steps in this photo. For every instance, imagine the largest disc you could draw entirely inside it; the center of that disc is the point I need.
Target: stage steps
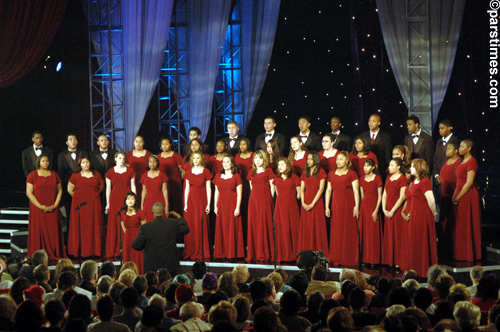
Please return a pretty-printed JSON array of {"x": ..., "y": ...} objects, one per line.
[{"x": 12, "y": 220}]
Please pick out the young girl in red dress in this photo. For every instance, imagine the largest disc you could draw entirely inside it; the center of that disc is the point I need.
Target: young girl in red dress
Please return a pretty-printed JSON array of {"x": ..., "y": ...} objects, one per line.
[
  {"x": 342, "y": 194},
  {"x": 274, "y": 153},
  {"x": 85, "y": 185},
  {"x": 402, "y": 151},
  {"x": 395, "y": 244},
  {"x": 119, "y": 181},
  {"x": 360, "y": 153},
  {"x": 286, "y": 212},
  {"x": 44, "y": 190},
  {"x": 197, "y": 196},
  {"x": 138, "y": 160},
  {"x": 297, "y": 156},
  {"x": 196, "y": 145},
  {"x": 215, "y": 161},
  {"x": 467, "y": 232},
  {"x": 260, "y": 210},
  {"x": 154, "y": 188},
  {"x": 132, "y": 219},
  {"x": 312, "y": 234},
  {"x": 244, "y": 161},
  {"x": 329, "y": 154},
  {"x": 423, "y": 241},
  {"x": 229, "y": 242},
  {"x": 170, "y": 164},
  {"x": 370, "y": 226}
]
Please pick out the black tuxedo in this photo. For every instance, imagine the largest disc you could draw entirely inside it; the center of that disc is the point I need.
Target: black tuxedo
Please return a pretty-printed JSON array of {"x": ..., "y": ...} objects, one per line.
[
  {"x": 424, "y": 149},
  {"x": 236, "y": 147},
  {"x": 381, "y": 147},
  {"x": 313, "y": 142},
  {"x": 99, "y": 164},
  {"x": 158, "y": 240},
  {"x": 186, "y": 149},
  {"x": 67, "y": 166},
  {"x": 343, "y": 142},
  {"x": 440, "y": 154},
  {"x": 260, "y": 142},
  {"x": 29, "y": 159}
]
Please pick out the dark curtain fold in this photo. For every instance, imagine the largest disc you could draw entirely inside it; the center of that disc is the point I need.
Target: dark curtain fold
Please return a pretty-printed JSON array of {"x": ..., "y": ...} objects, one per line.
[{"x": 27, "y": 28}]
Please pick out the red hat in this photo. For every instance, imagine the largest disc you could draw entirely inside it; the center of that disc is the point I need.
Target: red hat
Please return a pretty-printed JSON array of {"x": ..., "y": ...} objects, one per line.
[
  {"x": 184, "y": 293},
  {"x": 35, "y": 293}
]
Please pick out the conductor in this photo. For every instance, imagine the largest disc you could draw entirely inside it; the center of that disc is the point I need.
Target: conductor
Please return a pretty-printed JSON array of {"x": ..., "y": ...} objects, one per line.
[{"x": 158, "y": 240}]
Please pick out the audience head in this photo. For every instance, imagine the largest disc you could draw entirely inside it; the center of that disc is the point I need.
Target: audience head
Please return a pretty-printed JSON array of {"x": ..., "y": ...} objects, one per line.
[
  {"x": 41, "y": 274},
  {"x": 199, "y": 269},
  {"x": 433, "y": 273},
  {"x": 152, "y": 278},
  {"x": 105, "y": 307},
  {"x": 54, "y": 312},
  {"x": 242, "y": 305},
  {"x": 444, "y": 310},
  {"x": 79, "y": 307},
  {"x": 223, "y": 311},
  {"x": 227, "y": 284},
  {"x": 104, "y": 284},
  {"x": 89, "y": 270},
  {"x": 67, "y": 296},
  {"x": 299, "y": 282},
  {"x": 182, "y": 279},
  {"x": 290, "y": 303},
  {"x": 383, "y": 286},
  {"x": 399, "y": 295},
  {"x": 346, "y": 287},
  {"x": 443, "y": 285},
  {"x": 340, "y": 320},
  {"x": 241, "y": 273},
  {"x": 152, "y": 316},
  {"x": 108, "y": 269},
  {"x": 7, "y": 307},
  {"x": 395, "y": 310},
  {"x": 411, "y": 285},
  {"x": 129, "y": 297},
  {"x": 423, "y": 298},
  {"x": 326, "y": 306},
  {"x": 170, "y": 290},
  {"x": 314, "y": 300},
  {"x": 319, "y": 273},
  {"x": 270, "y": 290},
  {"x": 114, "y": 291},
  {"x": 140, "y": 284},
  {"x": 257, "y": 290},
  {"x": 423, "y": 321},
  {"x": 190, "y": 310},
  {"x": 40, "y": 257},
  {"x": 410, "y": 274},
  {"x": 163, "y": 275},
  {"x": 158, "y": 300},
  {"x": 459, "y": 292},
  {"x": 447, "y": 325},
  {"x": 487, "y": 287},
  {"x": 215, "y": 298},
  {"x": 357, "y": 298},
  {"x": 209, "y": 282},
  {"x": 127, "y": 277},
  {"x": 17, "y": 288},
  {"x": 476, "y": 273},
  {"x": 277, "y": 280},
  {"x": 265, "y": 320},
  {"x": 467, "y": 315},
  {"x": 29, "y": 317},
  {"x": 35, "y": 293},
  {"x": 183, "y": 294},
  {"x": 347, "y": 274}
]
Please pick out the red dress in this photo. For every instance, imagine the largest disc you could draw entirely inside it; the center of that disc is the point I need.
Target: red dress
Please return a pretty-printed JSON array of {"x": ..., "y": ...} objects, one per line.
[
  {"x": 343, "y": 229},
  {"x": 244, "y": 165},
  {"x": 467, "y": 232},
  {"x": 286, "y": 218},
  {"x": 154, "y": 193},
  {"x": 370, "y": 231},
  {"x": 422, "y": 241},
  {"x": 312, "y": 234},
  {"x": 140, "y": 166},
  {"x": 44, "y": 229},
  {"x": 215, "y": 165},
  {"x": 395, "y": 244},
  {"x": 228, "y": 229},
  {"x": 328, "y": 164},
  {"x": 170, "y": 166},
  {"x": 447, "y": 208},
  {"x": 86, "y": 189},
  {"x": 357, "y": 163},
  {"x": 186, "y": 165},
  {"x": 120, "y": 186},
  {"x": 260, "y": 217},
  {"x": 299, "y": 165},
  {"x": 132, "y": 225},
  {"x": 197, "y": 202}
]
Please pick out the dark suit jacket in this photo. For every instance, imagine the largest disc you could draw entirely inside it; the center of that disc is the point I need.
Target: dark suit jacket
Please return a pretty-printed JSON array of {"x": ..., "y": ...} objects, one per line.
[
  {"x": 381, "y": 147},
  {"x": 158, "y": 240},
  {"x": 29, "y": 159},
  {"x": 313, "y": 142},
  {"x": 186, "y": 149},
  {"x": 343, "y": 142},
  {"x": 424, "y": 149},
  {"x": 260, "y": 142},
  {"x": 440, "y": 154},
  {"x": 98, "y": 162},
  {"x": 236, "y": 147},
  {"x": 66, "y": 165}
]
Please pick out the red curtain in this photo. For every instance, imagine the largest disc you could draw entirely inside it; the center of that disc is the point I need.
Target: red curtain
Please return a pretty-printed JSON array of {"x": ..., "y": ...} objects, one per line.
[{"x": 27, "y": 28}]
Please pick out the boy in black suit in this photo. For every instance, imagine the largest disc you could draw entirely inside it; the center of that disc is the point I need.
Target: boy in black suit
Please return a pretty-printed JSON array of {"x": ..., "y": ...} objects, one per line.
[
  {"x": 262, "y": 139},
  {"x": 418, "y": 142},
  {"x": 103, "y": 158},
  {"x": 233, "y": 140},
  {"x": 342, "y": 141},
  {"x": 380, "y": 143},
  {"x": 194, "y": 132},
  {"x": 30, "y": 154},
  {"x": 309, "y": 139}
]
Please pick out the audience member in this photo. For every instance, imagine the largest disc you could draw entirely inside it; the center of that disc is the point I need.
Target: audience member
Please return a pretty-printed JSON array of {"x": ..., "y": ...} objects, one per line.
[
  {"x": 379, "y": 300},
  {"x": 326, "y": 306},
  {"x": 29, "y": 317},
  {"x": 487, "y": 292},
  {"x": 79, "y": 307},
  {"x": 170, "y": 289},
  {"x": 424, "y": 322},
  {"x": 443, "y": 310},
  {"x": 7, "y": 313},
  {"x": 467, "y": 315},
  {"x": 241, "y": 275},
  {"x": 127, "y": 277},
  {"x": 265, "y": 320},
  {"x": 89, "y": 273},
  {"x": 423, "y": 300},
  {"x": 16, "y": 291},
  {"x": 42, "y": 277},
  {"x": 459, "y": 292},
  {"x": 153, "y": 281},
  {"x": 199, "y": 269},
  {"x": 447, "y": 325},
  {"x": 141, "y": 286},
  {"x": 129, "y": 299},
  {"x": 68, "y": 296},
  {"x": 357, "y": 300},
  {"x": 443, "y": 285},
  {"x": 278, "y": 283},
  {"x": 54, "y": 313},
  {"x": 410, "y": 274},
  {"x": 340, "y": 320},
  {"x": 319, "y": 282},
  {"x": 35, "y": 293},
  {"x": 214, "y": 299},
  {"x": 183, "y": 294},
  {"x": 242, "y": 305},
  {"x": 105, "y": 312},
  {"x": 151, "y": 320},
  {"x": 299, "y": 282},
  {"x": 476, "y": 273},
  {"x": 313, "y": 303},
  {"x": 257, "y": 295},
  {"x": 191, "y": 314},
  {"x": 411, "y": 285},
  {"x": 223, "y": 311},
  {"x": 432, "y": 274},
  {"x": 104, "y": 284},
  {"x": 108, "y": 269},
  {"x": 208, "y": 286},
  {"x": 288, "y": 310},
  {"x": 399, "y": 295},
  {"x": 227, "y": 284},
  {"x": 270, "y": 293}
]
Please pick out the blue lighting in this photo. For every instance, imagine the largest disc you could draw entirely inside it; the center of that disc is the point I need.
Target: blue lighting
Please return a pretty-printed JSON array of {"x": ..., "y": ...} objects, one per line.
[{"x": 59, "y": 66}]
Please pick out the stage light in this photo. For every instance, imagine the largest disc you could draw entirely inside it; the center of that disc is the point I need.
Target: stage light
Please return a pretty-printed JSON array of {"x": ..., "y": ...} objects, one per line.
[{"x": 59, "y": 66}]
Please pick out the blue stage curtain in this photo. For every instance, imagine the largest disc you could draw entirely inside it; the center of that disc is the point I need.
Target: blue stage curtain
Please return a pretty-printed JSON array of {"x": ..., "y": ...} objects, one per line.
[
  {"x": 445, "y": 23},
  {"x": 207, "y": 25},
  {"x": 145, "y": 32},
  {"x": 259, "y": 20}
]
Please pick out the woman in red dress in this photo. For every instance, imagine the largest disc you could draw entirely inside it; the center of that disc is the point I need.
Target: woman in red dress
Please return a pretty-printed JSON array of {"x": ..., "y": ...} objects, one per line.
[
  {"x": 154, "y": 188},
  {"x": 215, "y": 161},
  {"x": 244, "y": 161},
  {"x": 85, "y": 185},
  {"x": 229, "y": 242},
  {"x": 402, "y": 151},
  {"x": 395, "y": 244},
  {"x": 360, "y": 153},
  {"x": 467, "y": 232},
  {"x": 446, "y": 207},
  {"x": 329, "y": 154},
  {"x": 286, "y": 212},
  {"x": 274, "y": 153},
  {"x": 170, "y": 164},
  {"x": 422, "y": 242},
  {"x": 312, "y": 233},
  {"x": 138, "y": 160},
  {"x": 119, "y": 181},
  {"x": 342, "y": 193},
  {"x": 132, "y": 219},
  {"x": 297, "y": 156},
  {"x": 197, "y": 196},
  {"x": 196, "y": 145},
  {"x": 260, "y": 210},
  {"x": 44, "y": 190},
  {"x": 370, "y": 225}
]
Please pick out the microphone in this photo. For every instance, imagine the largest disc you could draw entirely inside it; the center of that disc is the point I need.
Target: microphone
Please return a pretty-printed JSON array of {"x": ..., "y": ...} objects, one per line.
[
  {"x": 81, "y": 204},
  {"x": 124, "y": 208}
]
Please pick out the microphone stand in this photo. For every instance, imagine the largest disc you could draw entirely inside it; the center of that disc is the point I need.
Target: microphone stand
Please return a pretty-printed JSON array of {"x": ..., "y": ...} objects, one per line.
[
  {"x": 274, "y": 241},
  {"x": 202, "y": 241},
  {"x": 79, "y": 235},
  {"x": 359, "y": 245},
  {"x": 120, "y": 227}
]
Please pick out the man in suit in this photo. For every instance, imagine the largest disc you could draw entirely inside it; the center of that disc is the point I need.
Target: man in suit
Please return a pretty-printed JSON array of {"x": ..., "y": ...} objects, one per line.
[
  {"x": 445, "y": 131},
  {"x": 103, "y": 158},
  {"x": 262, "y": 139},
  {"x": 158, "y": 240},
  {"x": 233, "y": 140},
  {"x": 67, "y": 165},
  {"x": 30, "y": 154},
  {"x": 380, "y": 143},
  {"x": 342, "y": 141},
  {"x": 194, "y": 132},
  {"x": 309, "y": 139},
  {"x": 418, "y": 142}
]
